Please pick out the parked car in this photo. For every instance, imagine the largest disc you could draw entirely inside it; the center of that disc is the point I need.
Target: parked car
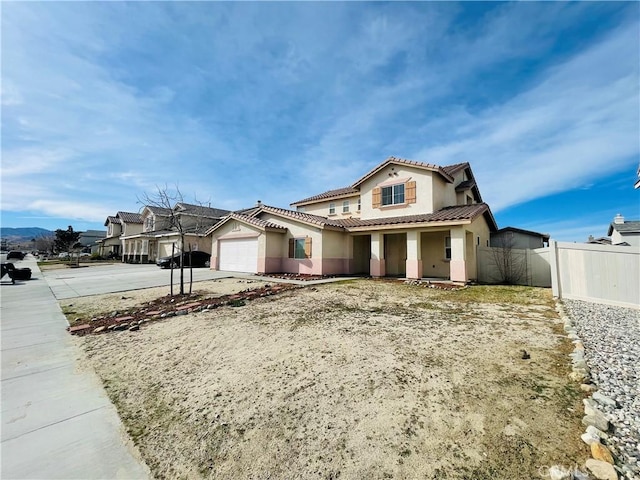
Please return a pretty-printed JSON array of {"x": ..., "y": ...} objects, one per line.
[
  {"x": 18, "y": 255},
  {"x": 198, "y": 259}
]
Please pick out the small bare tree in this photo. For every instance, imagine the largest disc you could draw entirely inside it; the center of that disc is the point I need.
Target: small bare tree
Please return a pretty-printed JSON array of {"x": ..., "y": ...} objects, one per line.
[
  {"x": 510, "y": 263},
  {"x": 44, "y": 243},
  {"x": 167, "y": 199}
]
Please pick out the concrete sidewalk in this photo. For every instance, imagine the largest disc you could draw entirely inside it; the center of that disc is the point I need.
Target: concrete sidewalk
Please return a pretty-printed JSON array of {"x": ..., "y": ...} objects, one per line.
[{"x": 57, "y": 421}]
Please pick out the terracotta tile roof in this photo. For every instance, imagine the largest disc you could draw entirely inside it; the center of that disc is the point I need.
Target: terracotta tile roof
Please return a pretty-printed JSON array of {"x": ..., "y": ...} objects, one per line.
[
  {"x": 447, "y": 172},
  {"x": 256, "y": 221},
  {"x": 249, "y": 212},
  {"x": 129, "y": 217},
  {"x": 447, "y": 214},
  {"x": 338, "y": 192},
  {"x": 404, "y": 161},
  {"x": 467, "y": 184},
  {"x": 455, "y": 168},
  {"x": 303, "y": 217}
]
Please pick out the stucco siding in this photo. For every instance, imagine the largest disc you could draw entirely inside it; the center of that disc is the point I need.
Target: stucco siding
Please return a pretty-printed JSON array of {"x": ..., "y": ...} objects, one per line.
[
  {"x": 434, "y": 263},
  {"x": 233, "y": 229},
  {"x": 322, "y": 208},
  {"x": 424, "y": 192}
]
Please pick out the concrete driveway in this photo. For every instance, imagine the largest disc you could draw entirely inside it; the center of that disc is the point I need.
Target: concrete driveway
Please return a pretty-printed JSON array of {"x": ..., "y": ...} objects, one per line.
[{"x": 119, "y": 277}]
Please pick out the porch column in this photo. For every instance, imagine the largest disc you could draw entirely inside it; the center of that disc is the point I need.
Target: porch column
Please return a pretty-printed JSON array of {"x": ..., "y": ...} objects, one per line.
[
  {"x": 376, "y": 265},
  {"x": 414, "y": 255},
  {"x": 458, "y": 264}
]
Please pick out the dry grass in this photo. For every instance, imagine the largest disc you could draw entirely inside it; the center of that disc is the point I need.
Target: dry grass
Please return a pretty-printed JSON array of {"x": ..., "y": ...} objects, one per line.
[{"x": 364, "y": 379}]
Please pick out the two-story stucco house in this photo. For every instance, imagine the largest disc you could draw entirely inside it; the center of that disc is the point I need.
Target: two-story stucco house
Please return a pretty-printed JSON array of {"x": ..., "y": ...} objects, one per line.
[
  {"x": 118, "y": 226},
  {"x": 403, "y": 218},
  {"x": 160, "y": 234}
]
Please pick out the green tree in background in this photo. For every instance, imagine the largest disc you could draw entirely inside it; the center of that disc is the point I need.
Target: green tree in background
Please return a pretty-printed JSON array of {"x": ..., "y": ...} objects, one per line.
[{"x": 66, "y": 240}]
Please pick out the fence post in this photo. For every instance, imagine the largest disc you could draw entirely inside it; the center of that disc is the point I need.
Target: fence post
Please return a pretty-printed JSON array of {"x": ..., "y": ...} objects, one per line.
[{"x": 556, "y": 288}]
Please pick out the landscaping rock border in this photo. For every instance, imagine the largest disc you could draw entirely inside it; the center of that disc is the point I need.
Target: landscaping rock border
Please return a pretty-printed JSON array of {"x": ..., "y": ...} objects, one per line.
[
  {"x": 168, "y": 306},
  {"x": 605, "y": 360}
]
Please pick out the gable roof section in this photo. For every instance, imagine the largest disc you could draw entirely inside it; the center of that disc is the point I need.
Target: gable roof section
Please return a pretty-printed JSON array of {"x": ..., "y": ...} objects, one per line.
[
  {"x": 544, "y": 236},
  {"x": 448, "y": 214},
  {"x": 445, "y": 172},
  {"x": 315, "y": 220},
  {"x": 455, "y": 168},
  {"x": 256, "y": 222},
  {"x": 111, "y": 219},
  {"x": 403, "y": 161},
  {"x": 337, "y": 193},
  {"x": 158, "y": 210},
  {"x": 128, "y": 217},
  {"x": 629, "y": 226},
  {"x": 200, "y": 210}
]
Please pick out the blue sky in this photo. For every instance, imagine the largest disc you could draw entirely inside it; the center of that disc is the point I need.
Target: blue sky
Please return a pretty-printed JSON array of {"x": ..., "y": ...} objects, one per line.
[{"x": 235, "y": 102}]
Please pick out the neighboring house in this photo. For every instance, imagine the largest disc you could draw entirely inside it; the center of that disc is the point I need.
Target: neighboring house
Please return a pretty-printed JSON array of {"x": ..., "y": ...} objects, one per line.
[
  {"x": 403, "y": 218},
  {"x": 599, "y": 240},
  {"x": 122, "y": 224},
  {"x": 89, "y": 240},
  {"x": 518, "y": 238},
  {"x": 624, "y": 232},
  {"x": 160, "y": 234}
]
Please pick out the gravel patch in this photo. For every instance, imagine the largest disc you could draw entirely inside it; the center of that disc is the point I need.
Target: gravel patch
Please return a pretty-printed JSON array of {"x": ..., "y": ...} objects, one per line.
[{"x": 611, "y": 336}]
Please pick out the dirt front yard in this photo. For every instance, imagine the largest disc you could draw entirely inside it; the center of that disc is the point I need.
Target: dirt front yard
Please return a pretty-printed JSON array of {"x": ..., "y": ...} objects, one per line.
[{"x": 357, "y": 380}]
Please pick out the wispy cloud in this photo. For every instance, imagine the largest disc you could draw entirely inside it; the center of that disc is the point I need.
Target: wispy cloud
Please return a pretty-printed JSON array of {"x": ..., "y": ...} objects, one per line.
[
  {"x": 580, "y": 120},
  {"x": 243, "y": 101}
]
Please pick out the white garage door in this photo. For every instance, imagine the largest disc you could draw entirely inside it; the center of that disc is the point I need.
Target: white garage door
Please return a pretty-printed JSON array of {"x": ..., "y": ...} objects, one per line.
[{"x": 239, "y": 255}]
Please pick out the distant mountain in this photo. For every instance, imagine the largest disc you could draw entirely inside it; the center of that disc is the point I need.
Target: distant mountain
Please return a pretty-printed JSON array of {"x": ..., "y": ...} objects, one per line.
[{"x": 26, "y": 233}]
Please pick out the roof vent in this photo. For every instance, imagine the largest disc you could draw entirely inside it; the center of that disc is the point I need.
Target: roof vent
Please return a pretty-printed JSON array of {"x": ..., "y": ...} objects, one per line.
[
  {"x": 618, "y": 219},
  {"x": 259, "y": 203}
]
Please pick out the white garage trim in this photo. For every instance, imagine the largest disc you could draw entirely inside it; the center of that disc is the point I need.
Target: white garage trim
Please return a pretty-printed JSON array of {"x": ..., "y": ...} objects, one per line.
[{"x": 238, "y": 255}]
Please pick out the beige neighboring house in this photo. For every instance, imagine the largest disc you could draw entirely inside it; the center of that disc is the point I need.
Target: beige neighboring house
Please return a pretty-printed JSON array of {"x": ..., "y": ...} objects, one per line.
[
  {"x": 624, "y": 232},
  {"x": 403, "y": 218},
  {"x": 118, "y": 226},
  {"x": 159, "y": 235}
]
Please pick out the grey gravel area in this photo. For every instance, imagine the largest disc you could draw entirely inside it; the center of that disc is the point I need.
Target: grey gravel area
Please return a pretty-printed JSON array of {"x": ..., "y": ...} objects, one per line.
[{"x": 611, "y": 337}]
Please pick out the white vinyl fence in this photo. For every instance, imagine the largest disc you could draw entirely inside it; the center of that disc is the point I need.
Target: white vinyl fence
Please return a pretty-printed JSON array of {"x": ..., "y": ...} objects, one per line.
[
  {"x": 526, "y": 266},
  {"x": 597, "y": 273}
]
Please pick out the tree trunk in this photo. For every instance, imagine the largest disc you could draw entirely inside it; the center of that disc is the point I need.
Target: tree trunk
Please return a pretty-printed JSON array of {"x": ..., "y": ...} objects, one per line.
[{"x": 173, "y": 249}]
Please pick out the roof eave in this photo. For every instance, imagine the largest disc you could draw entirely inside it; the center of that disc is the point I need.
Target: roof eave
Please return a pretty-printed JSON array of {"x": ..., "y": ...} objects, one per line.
[
  {"x": 325, "y": 199},
  {"x": 395, "y": 161},
  {"x": 411, "y": 225}
]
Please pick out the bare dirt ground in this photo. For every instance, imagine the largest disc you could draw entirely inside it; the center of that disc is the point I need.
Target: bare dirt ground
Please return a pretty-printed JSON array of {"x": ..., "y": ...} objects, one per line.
[{"x": 358, "y": 380}]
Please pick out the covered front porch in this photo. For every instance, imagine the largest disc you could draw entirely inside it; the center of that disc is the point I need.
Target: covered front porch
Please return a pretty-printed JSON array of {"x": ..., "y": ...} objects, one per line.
[
  {"x": 139, "y": 250},
  {"x": 446, "y": 253}
]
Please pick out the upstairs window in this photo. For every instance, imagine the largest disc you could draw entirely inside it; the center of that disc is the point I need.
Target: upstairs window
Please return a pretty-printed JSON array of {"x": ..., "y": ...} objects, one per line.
[
  {"x": 401, "y": 194},
  {"x": 345, "y": 206},
  {"x": 393, "y": 195},
  {"x": 359, "y": 204},
  {"x": 332, "y": 208}
]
